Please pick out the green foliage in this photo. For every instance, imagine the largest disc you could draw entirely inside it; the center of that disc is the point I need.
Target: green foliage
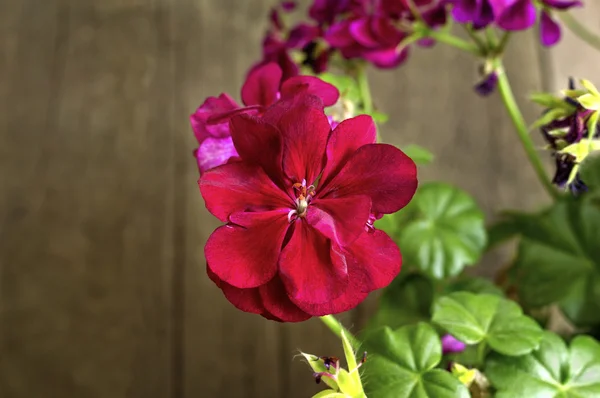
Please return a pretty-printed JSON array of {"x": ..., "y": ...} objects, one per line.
[
  {"x": 440, "y": 231},
  {"x": 498, "y": 322},
  {"x": 553, "y": 370},
  {"x": 559, "y": 261},
  {"x": 405, "y": 301},
  {"x": 402, "y": 365},
  {"x": 473, "y": 285}
]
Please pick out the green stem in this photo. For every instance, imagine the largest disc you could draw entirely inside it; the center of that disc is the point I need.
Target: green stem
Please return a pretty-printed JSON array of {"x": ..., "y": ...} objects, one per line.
[
  {"x": 579, "y": 30},
  {"x": 454, "y": 41},
  {"x": 363, "y": 87},
  {"x": 521, "y": 128},
  {"x": 475, "y": 37},
  {"x": 336, "y": 327},
  {"x": 481, "y": 352}
]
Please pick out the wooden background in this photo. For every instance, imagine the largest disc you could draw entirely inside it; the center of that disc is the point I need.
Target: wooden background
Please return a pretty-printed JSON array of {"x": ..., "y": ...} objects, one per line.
[{"x": 103, "y": 291}]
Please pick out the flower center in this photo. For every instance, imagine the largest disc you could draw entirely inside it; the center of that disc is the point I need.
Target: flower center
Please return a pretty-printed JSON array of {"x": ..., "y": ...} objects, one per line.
[{"x": 303, "y": 197}]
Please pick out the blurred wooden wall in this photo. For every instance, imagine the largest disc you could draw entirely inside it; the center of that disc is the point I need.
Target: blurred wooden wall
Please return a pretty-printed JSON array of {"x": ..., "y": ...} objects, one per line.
[{"x": 103, "y": 291}]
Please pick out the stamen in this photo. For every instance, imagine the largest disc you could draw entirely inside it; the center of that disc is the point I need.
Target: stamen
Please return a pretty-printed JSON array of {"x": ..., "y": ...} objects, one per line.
[
  {"x": 363, "y": 360},
  {"x": 291, "y": 214}
]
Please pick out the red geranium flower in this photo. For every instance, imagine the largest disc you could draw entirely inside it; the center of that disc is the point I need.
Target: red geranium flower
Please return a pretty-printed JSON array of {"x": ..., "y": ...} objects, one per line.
[{"x": 299, "y": 208}]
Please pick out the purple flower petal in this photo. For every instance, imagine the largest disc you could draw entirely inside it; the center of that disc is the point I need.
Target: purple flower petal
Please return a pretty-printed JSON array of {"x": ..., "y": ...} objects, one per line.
[
  {"x": 549, "y": 30},
  {"x": 487, "y": 85},
  {"x": 466, "y": 10},
  {"x": 514, "y": 14},
  {"x": 451, "y": 345}
]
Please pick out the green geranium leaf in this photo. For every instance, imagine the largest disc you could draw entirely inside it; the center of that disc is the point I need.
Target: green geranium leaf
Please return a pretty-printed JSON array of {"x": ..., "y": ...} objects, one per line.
[
  {"x": 590, "y": 170},
  {"x": 559, "y": 260},
  {"x": 402, "y": 365},
  {"x": 507, "y": 227},
  {"x": 551, "y": 371},
  {"x": 475, "y": 318},
  {"x": 418, "y": 154},
  {"x": 407, "y": 300},
  {"x": 474, "y": 285},
  {"x": 447, "y": 232}
]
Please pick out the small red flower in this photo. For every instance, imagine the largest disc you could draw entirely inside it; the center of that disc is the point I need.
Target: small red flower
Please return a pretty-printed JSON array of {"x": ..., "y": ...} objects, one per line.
[{"x": 298, "y": 207}]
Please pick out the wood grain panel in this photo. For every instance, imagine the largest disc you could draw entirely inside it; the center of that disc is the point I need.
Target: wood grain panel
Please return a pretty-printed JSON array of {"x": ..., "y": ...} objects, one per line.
[{"x": 86, "y": 223}]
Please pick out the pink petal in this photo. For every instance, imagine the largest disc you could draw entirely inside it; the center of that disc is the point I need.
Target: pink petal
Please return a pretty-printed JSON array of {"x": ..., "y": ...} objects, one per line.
[
  {"x": 387, "y": 58},
  {"x": 259, "y": 143},
  {"x": 212, "y": 106},
  {"x": 262, "y": 85},
  {"x": 338, "y": 35},
  {"x": 549, "y": 30},
  {"x": 380, "y": 171},
  {"x": 305, "y": 132},
  {"x": 310, "y": 269},
  {"x": 328, "y": 93},
  {"x": 386, "y": 33},
  {"x": 345, "y": 139},
  {"x": 247, "y": 300},
  {"x": 214, "y": 152},
  {"x": 245, "y": 253},
  {"x": 301, "y": 35},
  {"x": 360, "y": 30},
  {"x": 278, "y": 304},
  {"x": 374, "y": 259},
  {"x": 237, "y": 187},
  {"x": 340, "y": 219}
]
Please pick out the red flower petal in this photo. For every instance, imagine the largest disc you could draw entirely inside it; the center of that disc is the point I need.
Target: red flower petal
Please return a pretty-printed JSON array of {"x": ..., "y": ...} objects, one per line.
[
  {"x": 262, "y": 85},
  {"x": 276, "y": 111},
  {"x": 380, "y": 171},
  {"x": 352, "y": 297},
  {"x": 311, "y": 271},
  {"x": 328, "y": 93},
  {"x": 345, "y": 139},
  {"x": 258, "y": 142},
  {"x": 247, "y": 300},
  {"x": 340, "y": 219},
  {"x": 245, "y": 255},
  {"x": 374, "y": 260},
  {"x": 278, "y": 304},
  {"x": 305, "y": 131},
  {"x": 236, "y": 187}
]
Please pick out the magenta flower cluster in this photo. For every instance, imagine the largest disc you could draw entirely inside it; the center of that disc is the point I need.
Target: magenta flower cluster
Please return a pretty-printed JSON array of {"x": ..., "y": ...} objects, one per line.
[{"x": 375, "y": 30}]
